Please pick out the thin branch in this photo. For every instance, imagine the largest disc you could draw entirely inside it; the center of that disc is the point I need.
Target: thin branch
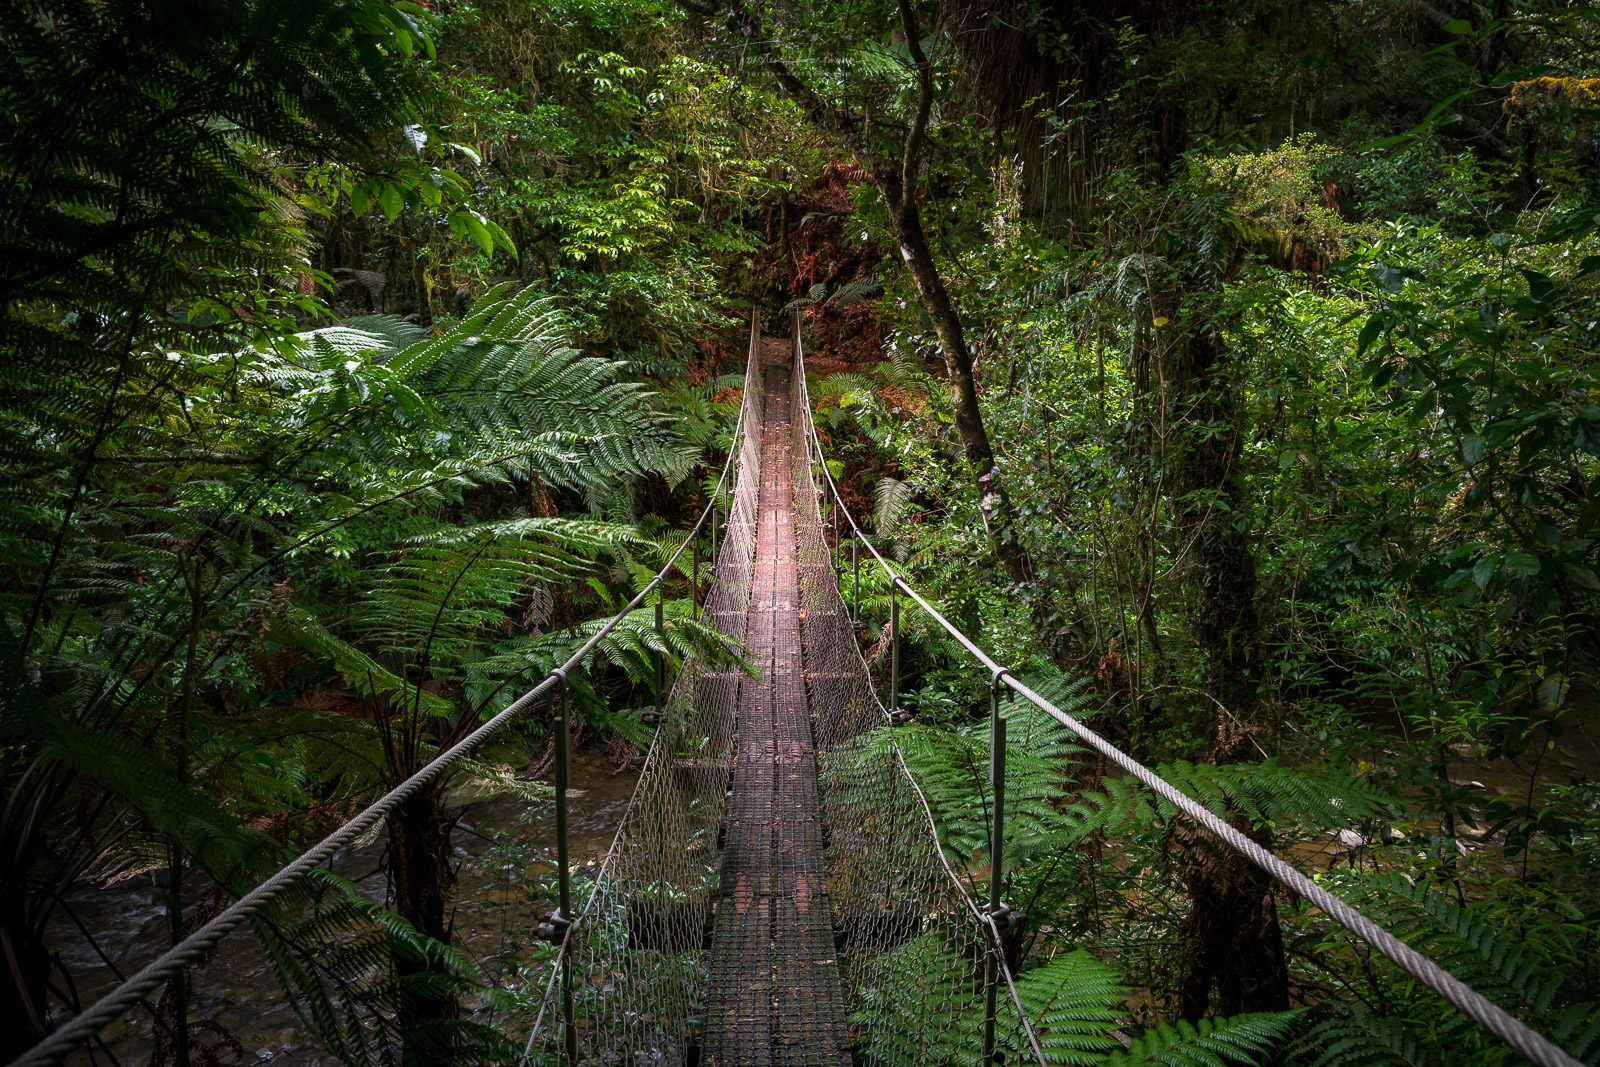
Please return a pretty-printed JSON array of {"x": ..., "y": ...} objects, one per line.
[
  {"x": 817, "y": 111},
  {"x": 919, "y": 125}
]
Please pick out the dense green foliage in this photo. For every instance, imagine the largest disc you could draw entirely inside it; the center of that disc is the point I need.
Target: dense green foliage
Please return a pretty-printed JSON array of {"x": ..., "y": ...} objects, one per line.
[{"x": 357, "y": 356}]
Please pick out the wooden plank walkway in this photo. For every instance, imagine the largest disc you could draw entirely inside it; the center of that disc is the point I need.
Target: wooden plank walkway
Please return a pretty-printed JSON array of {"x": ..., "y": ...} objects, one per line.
[{"x": 774, "y": 996}]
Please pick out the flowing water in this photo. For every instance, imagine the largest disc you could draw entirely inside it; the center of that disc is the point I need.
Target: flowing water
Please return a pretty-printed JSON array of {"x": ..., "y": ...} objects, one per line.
[{"x": 506, "y": 849}]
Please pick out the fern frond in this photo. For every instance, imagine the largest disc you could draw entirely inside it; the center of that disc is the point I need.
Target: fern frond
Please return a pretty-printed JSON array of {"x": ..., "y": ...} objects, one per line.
[
  {"x": 1466, "y": 942},
  {"x": 952, "y": 767},
  {"x": 1207, "y": 1043},
  {"x": 1350, "y": 1036},
  {"x": 1075, "y": 1004},
  {"x": 853, "y": 293},
  {"x": 1311, "y": 799},
  {"x": 360, "y": 671},
  {"x": 891, "y": 497}
]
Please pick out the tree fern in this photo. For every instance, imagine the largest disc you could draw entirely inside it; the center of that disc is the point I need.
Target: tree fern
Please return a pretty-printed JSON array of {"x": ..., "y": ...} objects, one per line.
[
  {"x": 1411, "y": 1023},
  {"x": 334, "y": 952},
  {"x": 1308, "y": 800},
  {"x": 921, "y": 1005},
  {"x": 1074, "y": 1004},
  {"x": 891, "y": 497},
  {"x": 952, "y": 767},
  {"x": 854, "y": 292},
  {"x": 1207, "y": 1043},
  {"x": 503, "y": 376},
  {"x": 1348, "y": 1035},
  {"x": 360, "y": 671},
  {"x": 330, "y": 947},
  {"x": 844, "y": 385}
]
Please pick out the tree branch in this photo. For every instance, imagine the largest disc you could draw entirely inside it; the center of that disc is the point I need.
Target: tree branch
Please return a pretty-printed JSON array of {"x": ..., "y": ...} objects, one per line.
[
  {"x": 816, "y": 110},
  {"x": 919, "y": 125}
]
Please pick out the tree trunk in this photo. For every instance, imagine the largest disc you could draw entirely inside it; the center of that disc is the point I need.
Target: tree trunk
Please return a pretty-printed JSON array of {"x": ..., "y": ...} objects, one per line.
[
  {"x": 422, "y": 282},
  {"x": 958, "y": 371},
  {"x": 1210, "y": 496},
  {"x": 896, "y": 184},
  {"x": 422, "y": 881},
  {"x": 1231, "y": 938}
]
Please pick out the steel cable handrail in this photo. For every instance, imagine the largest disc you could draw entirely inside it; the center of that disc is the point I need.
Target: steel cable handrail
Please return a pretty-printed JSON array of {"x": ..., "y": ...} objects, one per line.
[
  {"x": 605, "y": 864},
  {"x": 984, "y": 918},
  {"x": 1469, "y": 1001},
  {"x": 89, "y": 1022}
]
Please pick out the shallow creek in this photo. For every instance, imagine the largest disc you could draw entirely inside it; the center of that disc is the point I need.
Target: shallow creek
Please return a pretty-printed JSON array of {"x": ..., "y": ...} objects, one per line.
[{"x": 237, "y": 992}]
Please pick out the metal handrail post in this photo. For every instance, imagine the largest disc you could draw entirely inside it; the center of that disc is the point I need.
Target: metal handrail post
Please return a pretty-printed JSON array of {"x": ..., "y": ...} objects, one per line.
[
  {"x": 997, "y": 782},
  {"x": 694, "y": 593},
  {"x": 894, "y": 647},
  {"x": 855, "y": 565},
  {"x": 835, "y": 500},
  {"x": 563, "y": 920},
  {"x": 661, "y": 667}
]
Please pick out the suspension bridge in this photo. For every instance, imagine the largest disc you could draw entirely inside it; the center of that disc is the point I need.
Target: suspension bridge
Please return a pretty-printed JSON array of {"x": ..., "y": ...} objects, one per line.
[{"x": 779, "y": 868}]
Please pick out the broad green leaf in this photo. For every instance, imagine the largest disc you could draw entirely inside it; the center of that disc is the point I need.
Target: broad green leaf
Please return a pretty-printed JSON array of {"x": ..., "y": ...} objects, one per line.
[
  {"x": 392, "y": 199},
  {"x": 1522, "y": 563},
  {"x": 479, "y": 232},
  {"x": 1371, "y": 331}
]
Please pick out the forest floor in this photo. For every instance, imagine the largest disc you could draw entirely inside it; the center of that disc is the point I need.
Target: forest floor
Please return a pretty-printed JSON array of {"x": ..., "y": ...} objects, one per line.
[{"x": 1518, "y": 781}]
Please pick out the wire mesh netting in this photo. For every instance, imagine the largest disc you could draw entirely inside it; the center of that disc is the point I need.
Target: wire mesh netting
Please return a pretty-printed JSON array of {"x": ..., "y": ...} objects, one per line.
[
  {"x": 912, "y": 944},
  {"x": 776, "y": 893}
]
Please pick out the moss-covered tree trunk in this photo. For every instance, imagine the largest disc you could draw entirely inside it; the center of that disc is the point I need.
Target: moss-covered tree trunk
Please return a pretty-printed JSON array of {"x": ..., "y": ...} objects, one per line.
[
  {"x": 1231, "y": 939},
  {"x": 1232, "y": 942}
]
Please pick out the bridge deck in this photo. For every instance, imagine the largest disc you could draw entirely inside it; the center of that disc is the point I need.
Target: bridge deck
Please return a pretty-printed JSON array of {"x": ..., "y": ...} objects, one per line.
[{"x": 774, "y": 994}]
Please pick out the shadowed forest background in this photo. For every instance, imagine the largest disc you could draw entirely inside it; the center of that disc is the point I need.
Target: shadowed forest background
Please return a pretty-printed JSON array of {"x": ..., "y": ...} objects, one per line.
[{"x": 1231, "y": 369}]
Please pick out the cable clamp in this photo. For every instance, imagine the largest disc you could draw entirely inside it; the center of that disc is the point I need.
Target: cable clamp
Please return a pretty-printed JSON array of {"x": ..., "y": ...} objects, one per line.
[
  {"x": 899, "y": 717},
  {"x": 1006, "y": 918},
  {"x": 554, "y": 927}
]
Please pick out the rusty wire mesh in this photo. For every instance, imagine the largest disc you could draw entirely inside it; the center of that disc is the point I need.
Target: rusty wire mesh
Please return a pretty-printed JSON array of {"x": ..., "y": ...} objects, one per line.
[
  {"x": 776, "y": 894},
  {"x": 911, "y": 941}
]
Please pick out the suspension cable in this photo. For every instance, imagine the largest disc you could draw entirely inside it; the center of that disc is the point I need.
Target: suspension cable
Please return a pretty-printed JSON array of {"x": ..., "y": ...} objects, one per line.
[
  {"x": 984, "y": 916},
  {"x": 89, "y": 1022},
  {"x": 751, "y": 365},
  {"x": 1469, "y": 1001}
]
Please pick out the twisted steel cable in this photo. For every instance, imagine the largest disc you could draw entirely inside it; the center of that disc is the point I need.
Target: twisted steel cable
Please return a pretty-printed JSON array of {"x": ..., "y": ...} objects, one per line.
[
  {"x": 1513, "y": 1031},
  {"x": 86, "y": 1024}
]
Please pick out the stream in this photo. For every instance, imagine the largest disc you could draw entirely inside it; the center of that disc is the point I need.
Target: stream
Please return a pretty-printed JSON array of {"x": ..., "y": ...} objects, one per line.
[
  {"x": 238, "y": 1010},
  {"x": 236, "y": 997}
]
